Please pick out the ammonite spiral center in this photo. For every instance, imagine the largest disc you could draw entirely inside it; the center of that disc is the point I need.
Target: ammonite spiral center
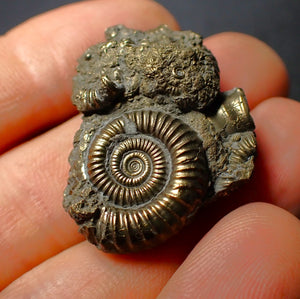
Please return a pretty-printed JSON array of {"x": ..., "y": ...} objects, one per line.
[
  {"x": 134, "y": 160},
  {"x": 129, "y": 169},
  {"x": 136, "y": 163}
]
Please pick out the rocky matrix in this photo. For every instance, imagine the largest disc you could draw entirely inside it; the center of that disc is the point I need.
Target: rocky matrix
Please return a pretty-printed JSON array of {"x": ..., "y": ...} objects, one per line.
[{"x": 158, "y": 138}]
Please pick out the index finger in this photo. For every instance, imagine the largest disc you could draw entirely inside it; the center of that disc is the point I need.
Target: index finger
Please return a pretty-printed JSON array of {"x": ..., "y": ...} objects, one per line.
[{"x": 38, "y": 60}]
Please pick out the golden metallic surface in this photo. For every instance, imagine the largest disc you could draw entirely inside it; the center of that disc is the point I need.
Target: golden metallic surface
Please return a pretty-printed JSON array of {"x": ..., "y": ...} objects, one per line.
[
  {"x": 152, "y": 173},
  {"x": 233, "y": 114}
]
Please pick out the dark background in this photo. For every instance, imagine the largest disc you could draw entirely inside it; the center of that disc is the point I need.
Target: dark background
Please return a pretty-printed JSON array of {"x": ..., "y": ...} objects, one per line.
[{"x": 277, "y": 22}]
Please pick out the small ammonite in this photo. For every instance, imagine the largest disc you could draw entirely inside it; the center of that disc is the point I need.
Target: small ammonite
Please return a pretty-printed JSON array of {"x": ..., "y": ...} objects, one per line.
[{"x": 157, "y": 140}]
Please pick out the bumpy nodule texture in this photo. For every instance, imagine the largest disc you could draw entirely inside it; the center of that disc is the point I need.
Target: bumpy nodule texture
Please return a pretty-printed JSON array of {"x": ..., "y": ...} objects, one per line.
[
  {"x": 158, "y": 139},
  {"x": 158, "y": 64}
]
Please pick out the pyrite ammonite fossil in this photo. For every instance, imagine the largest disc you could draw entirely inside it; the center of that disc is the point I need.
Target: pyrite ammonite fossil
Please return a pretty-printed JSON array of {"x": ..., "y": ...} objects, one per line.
[{"x": 158, "y": 138}]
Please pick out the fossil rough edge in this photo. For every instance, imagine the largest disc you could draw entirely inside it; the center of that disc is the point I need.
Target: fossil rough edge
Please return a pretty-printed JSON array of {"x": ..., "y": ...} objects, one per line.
[{"x": 158, "y": 138}]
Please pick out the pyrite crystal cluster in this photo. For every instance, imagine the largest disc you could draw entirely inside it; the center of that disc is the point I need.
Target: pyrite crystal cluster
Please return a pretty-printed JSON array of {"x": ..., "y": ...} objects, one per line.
[{"x": 158, "y": 138}]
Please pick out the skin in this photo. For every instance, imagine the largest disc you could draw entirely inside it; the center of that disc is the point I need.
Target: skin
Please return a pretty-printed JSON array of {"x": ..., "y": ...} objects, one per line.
[{"x": 245, "y": 246}]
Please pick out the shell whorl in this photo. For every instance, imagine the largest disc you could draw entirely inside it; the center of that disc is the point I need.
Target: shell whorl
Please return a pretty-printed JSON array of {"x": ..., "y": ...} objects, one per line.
[{"x": 152, "y": 173}]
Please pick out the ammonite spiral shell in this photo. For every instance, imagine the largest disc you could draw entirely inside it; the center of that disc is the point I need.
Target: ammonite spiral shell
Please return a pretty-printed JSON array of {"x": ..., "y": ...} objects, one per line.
[
  {"x": 152, "y": 172},
  {"x": 158, "y": 138}
]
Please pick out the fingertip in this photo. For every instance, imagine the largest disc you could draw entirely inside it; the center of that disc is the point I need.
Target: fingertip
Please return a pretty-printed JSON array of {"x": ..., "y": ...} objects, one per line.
[
  {"x": 253, "y": 252},
  {"x": 277, "y": 128},
  {"x": 251, "y": 64}
]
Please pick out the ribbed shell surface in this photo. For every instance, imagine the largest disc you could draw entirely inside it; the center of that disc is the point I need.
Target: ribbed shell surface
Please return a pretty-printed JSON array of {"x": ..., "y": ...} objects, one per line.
[{"x": 152, "y": 172}]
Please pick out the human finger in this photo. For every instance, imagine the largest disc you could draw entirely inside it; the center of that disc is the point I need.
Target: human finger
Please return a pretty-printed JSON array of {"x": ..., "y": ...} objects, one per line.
[
  {"x": 33, "y": 172},
  {"x": 250, "y": 64},
  {"x": 277, "y": 167},
  {"x": 251, "y": 253},
  {"x": 38, "y": 60},
  {"x": 82, "y": 271}
]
